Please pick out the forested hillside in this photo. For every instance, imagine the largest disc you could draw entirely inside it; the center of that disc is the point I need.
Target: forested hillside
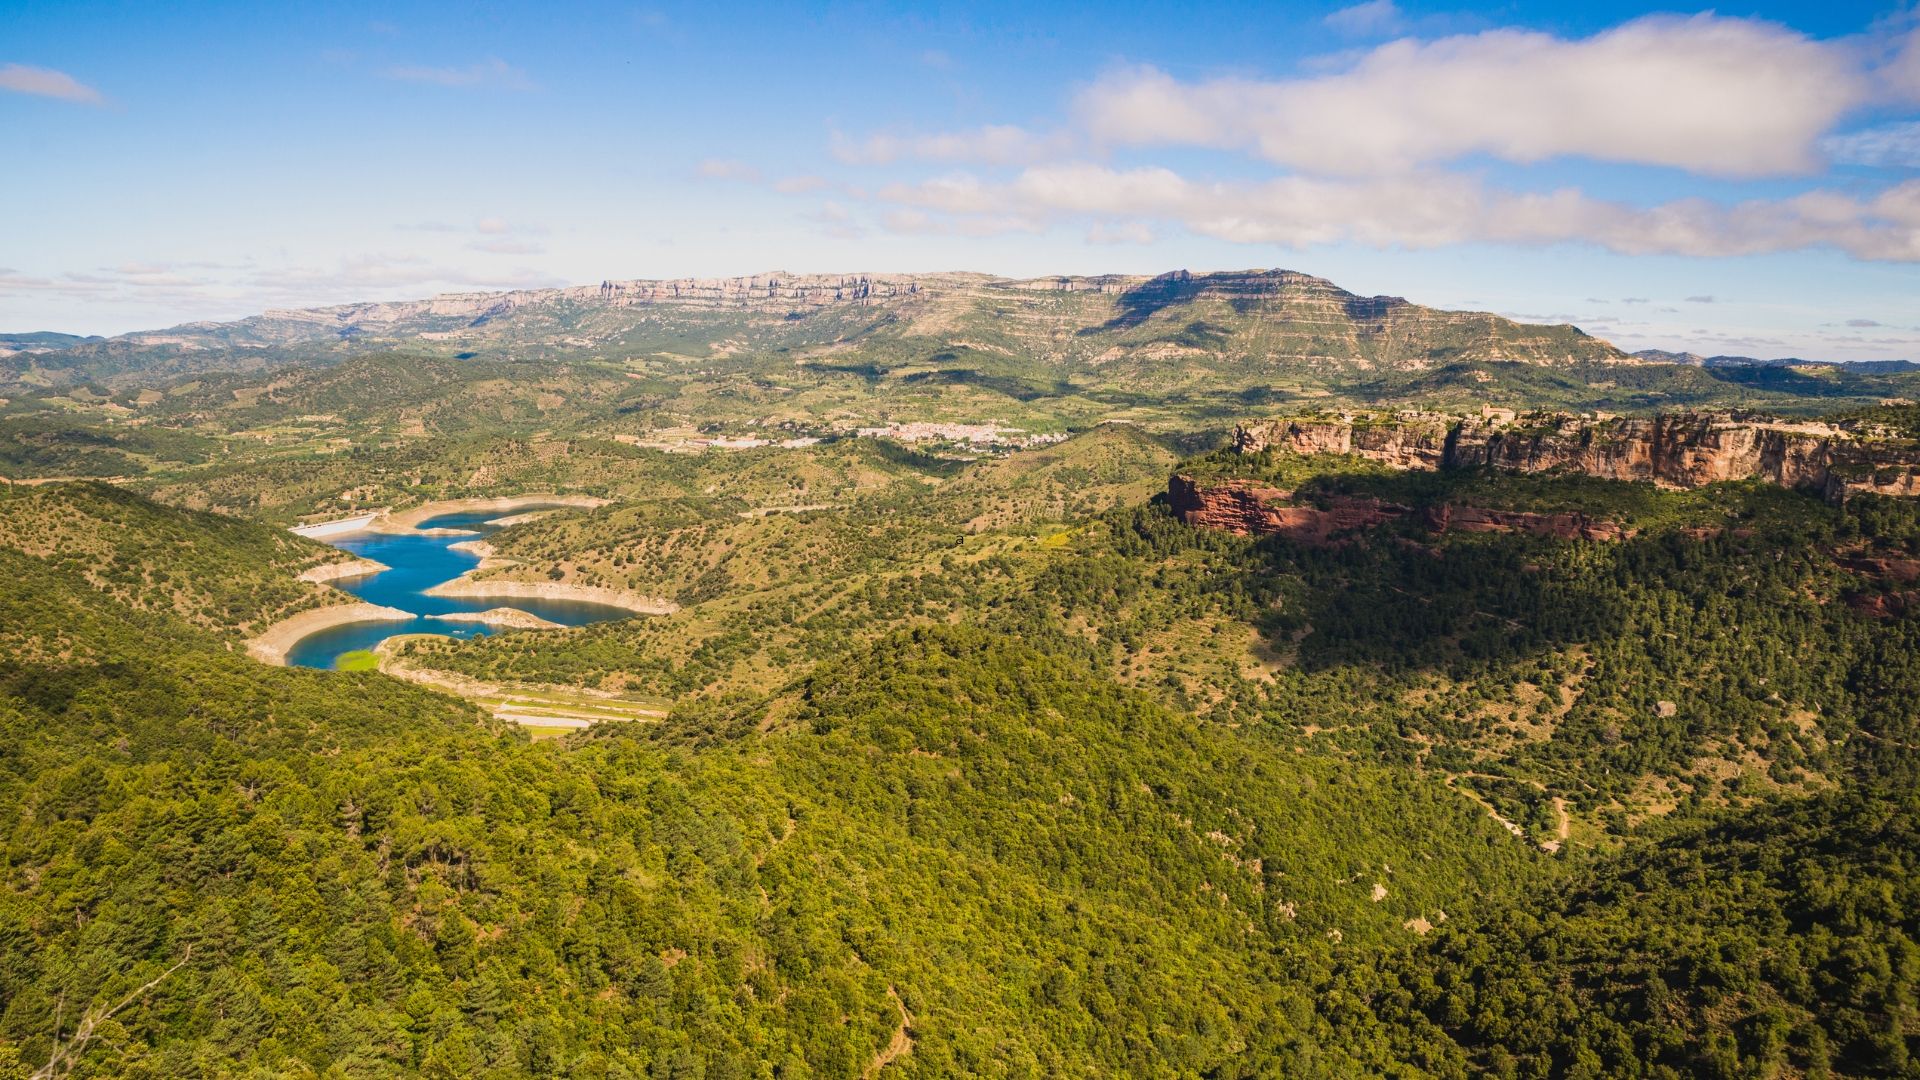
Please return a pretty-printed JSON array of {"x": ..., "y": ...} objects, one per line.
[{"x": 1048, "y": 784}]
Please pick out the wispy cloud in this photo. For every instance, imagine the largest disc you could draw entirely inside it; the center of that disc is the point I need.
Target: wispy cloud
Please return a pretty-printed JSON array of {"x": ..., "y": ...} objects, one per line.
[
  {"x": 1888, "y": 146},
  {"x": 727, "y": 169},
  {"x": 1363, "y": 20},
  {"x": 996, "y": 144},
  {"x": 46, "y": 82},
  {"x": 491, "y": 72}
]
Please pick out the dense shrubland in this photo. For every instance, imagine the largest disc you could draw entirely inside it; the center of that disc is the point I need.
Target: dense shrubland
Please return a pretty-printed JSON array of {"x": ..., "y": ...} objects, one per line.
[{"x": 1057, "y": 786}]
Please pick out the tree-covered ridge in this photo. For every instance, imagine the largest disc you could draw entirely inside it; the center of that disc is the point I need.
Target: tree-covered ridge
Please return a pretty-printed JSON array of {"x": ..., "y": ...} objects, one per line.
[
  {"x": 1705, "y": 657},
  {"x": 404, "y": 472},
  {"x": 697, "y": 549},
  {"x": 1037, "y": 794},
  {"x": 354, "y": 875},
  {"x": 1781, "y": 941},
  {"x": 228, "y": 576}
]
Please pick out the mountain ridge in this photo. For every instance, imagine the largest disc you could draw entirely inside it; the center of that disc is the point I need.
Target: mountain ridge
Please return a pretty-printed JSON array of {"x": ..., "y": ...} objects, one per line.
[{"x": 784, "y": 292}]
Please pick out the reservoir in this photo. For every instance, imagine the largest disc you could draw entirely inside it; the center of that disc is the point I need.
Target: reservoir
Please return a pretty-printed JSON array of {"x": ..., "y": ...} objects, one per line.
[{"x": 419, "y": 562}]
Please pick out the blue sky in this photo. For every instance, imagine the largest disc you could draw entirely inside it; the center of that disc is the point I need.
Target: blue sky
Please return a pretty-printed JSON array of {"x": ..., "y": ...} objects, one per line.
[{"x": 1743, "y": 180}]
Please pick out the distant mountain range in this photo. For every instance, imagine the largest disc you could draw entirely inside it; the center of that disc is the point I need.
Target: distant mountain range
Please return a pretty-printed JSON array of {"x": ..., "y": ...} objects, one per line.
[
  {"x": 1133, "y": 325},
  {"x": 43, "y": 341},
  {"x": 1662, "y": 356}
]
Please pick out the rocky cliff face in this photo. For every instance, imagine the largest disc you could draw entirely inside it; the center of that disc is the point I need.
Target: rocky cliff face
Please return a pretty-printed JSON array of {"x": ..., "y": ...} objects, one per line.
[
  {"x": 1681, "y": 451},
  {"x": 1251, "y": 509}
]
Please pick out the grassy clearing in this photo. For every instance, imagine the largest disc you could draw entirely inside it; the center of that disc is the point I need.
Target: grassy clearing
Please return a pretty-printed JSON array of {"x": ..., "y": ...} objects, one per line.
[{"x": 357, "y": 660}]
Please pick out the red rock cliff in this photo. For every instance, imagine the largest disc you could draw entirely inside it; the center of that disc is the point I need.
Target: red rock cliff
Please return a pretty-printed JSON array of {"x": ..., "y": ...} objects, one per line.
[{"x": 1253, "y": 509}]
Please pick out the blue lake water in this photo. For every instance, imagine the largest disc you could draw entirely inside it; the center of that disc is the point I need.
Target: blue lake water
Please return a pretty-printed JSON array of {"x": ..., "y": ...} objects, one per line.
[{"x": 419, "y": 563}]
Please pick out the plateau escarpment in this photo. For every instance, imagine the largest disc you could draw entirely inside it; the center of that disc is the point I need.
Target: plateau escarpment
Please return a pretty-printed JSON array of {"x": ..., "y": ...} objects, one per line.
[
  {"x": 1254, "y": 509},
  {"x": 1682, "y": 451},
  {"x": 1685, "y": 450},
  {"x": 1271, "y": 315}
]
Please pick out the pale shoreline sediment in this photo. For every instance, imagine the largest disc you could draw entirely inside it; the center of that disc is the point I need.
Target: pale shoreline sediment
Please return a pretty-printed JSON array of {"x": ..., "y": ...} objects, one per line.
[
  {"x": 404, "y": 521},
  {"x": 522, "y": 519},
  {"x": 272, "y": 644},
  {"x": 467, "y": 588}
]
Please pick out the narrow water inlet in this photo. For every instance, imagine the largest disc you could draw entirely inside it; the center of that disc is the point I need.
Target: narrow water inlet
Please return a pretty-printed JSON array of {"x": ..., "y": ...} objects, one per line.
[{"x": 417, "y": 561}]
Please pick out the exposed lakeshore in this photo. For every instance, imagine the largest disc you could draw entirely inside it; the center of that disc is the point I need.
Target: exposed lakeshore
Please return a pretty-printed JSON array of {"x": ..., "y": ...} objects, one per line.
[
  {"x": 408, "y": 520},
  {"x": 469, "y": 589},
  {"x": 280, "y": 642},
  {"x": 341, "y": 571},
  {"x": 272, "y": 644}
]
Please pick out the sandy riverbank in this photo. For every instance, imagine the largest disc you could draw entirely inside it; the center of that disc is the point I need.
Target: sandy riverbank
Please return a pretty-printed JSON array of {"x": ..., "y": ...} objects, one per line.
[
  {"x": 337, "y": 571},
  {"x": 272, "y": 644},
  {"x": 320, "y": 530},
  {"x": 467, "y": 588},
  {"x": 521, "y": 519},
  {"x": 406, "y": 521},
  {"x": 504, "y": 617}
]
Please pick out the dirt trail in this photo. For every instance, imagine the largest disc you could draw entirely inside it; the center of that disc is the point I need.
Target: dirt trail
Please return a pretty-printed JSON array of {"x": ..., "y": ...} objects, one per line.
[
  {"x": 539, "y": 706},
  {"x": 899, "y": 1046},
  {"x": 1562, "y": 827},
  {"x": 1563, "y": 821}
]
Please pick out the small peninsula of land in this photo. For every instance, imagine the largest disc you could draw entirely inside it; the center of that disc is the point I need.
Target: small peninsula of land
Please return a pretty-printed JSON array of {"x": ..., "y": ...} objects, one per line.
[
  {"x": 340, "y": 571},
  {"x": 273, "y": 644},
  {"x": 504, "y": 617},
  {"x": 467, "y": 588}
]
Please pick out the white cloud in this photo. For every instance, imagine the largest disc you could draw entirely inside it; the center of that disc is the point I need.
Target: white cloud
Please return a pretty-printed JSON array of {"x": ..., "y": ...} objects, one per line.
[
  {"x": 1729, "y": 97},
  {"x": 1425, "y": 210},
  {"x": 796, "y": 185},
  {"x": 1362, "y": 20},
  {"x": 492, "y": 71},
  {"x": 995, "y": 144},
  {"x": 46, "y": 82}
]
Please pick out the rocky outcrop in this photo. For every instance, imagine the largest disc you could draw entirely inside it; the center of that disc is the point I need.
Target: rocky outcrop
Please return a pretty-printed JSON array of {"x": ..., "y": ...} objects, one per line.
[
  {"x": 1570, "y": 525},
  {"x": 1252, "y": 509},
  {"x": 1680, "y": 451},
  {"x": 1258, "y": 510},
  {"x": 1413, "y": 442}
]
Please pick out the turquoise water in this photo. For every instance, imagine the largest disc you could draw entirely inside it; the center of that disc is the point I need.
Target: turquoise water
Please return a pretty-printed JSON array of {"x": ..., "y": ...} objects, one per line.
[{"x": 419, "y": 563}]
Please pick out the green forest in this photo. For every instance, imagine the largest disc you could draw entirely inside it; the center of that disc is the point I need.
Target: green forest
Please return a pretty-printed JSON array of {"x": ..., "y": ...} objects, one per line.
[{"x": 994, "y": 768}]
